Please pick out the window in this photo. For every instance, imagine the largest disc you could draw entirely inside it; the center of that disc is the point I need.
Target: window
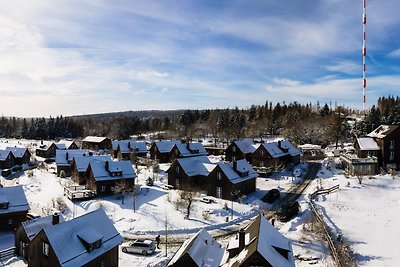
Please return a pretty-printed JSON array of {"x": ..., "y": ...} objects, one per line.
[
  {"x": 4, "y": 205},
  {"x": 177, "y": 169},
  {"x": 233, "y": 158},
  {"x": 391, "y": 144},
  {"x": 262, "y": 152},
  {"x": 45, "y": 248},
  {"x": 219, "y": 176},
  {"x": 391, "y": 155},
  {"x": 219, "y": 192},
  {"x": 177, "y": 185},
  {"x": 103, "y": 188},
  {"x": 261, "y": 163},
  {"x": 103, "y": 263},
  {"x": 233, "y": 149}
]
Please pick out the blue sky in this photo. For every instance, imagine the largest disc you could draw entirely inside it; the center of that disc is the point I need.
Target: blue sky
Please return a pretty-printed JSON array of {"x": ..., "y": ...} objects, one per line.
[{"x": 81, "y": 57}]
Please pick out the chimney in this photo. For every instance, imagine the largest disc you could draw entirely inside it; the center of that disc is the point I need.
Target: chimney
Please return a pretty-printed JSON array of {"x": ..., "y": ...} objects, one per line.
[
  {"x": 56, "y": 218},
  {"x": 66, "y": 155},
  {"x": 129, "y": 145},
  {"x": 107, "y": 165},
  {"x": 235, "y": 165},
  {"x": 280, "y": 144},
  {"x": 242, "y": 234},
  {"x": 41, "y": 142}
]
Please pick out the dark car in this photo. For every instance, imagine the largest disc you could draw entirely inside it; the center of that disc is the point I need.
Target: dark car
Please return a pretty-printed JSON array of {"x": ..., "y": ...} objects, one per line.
[
  {"x": 288, "y": 210},
  {"x": 271, "y": 196}
]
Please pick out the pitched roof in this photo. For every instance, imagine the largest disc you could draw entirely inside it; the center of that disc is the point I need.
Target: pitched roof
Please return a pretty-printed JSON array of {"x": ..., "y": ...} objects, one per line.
[
  {"x": 237, "y": 176},
  {"x": 61, "y": 156},
  {"x": 202, "y": 248},
  {"x": 245, "y": 145},
  {"x": 18, "y": 152},
  {"x": 33, "y": 227},
  {"x": 165, "y": 146},
  {"x": 15, "y": 197},
  {"x": 66, "y": 238},
  {"x": 274, "y": 151},
  {"x": 193, "y": 166},
  {"x": 82, "y": 162},
  {"x": 64, "y": 144},
  {"x": 261, "y": 236},
  {"x": 4, "y": 154},
  {"x": 292, "y": 150},
  {"x": 127, "y": 146},
  {"x": 367, "y": 143},
  {"x": 188, "y": 149},
  {"x": 382, "y": 131},
  {"x": 101, "y": 174},
  {"x": 94, "y": 139}
]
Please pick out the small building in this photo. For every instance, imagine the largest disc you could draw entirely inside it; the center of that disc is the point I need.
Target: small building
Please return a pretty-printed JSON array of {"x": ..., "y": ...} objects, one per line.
[
  {"x": 185, "y": 150},
  {"x": 231, "y": 179},
  {"x": 103, "y": 175},
  {"x": 48, "y": 150},
  {"x": 80, "y": 164},
  {"x": 13, "y": 207},
  {"x": 67, "y": 144},
  {"x": 21, "y": 154},
  {"x": 199, "y": 250},
  {"x": 27, "y": 231},
  {"x": 190, "y": 174},
  {"x": 240, "y": 149},
  {"x": 161, "y": 150},
  {"x": 128, "y": 149},
  {"x": 64, "y": 159},
  {"x": 7, "y": 159},
  {"x": 259, "y": 244},
  {"x": 90, "y": 240},
  {"x": 276, "y": 155},
  {"x": 96, "y": 143}
]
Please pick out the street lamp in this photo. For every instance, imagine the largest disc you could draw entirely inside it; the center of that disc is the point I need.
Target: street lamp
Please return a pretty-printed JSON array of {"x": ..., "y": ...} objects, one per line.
[{"x": 234, "y": 194}]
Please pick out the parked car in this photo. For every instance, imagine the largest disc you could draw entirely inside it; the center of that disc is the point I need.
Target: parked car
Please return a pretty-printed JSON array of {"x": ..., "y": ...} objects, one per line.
[
  {"x": 271, "y": 196},
  {"x": 6, "y": 172},
  {"x": 288, "y": 210},
  {"x": 145, "y": 247}
]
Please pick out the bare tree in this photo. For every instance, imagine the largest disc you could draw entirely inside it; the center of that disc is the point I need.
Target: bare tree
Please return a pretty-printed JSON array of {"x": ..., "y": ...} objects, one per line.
[
  {"x": 120, "y": 189},
  {"x": 188, "y": 197}
]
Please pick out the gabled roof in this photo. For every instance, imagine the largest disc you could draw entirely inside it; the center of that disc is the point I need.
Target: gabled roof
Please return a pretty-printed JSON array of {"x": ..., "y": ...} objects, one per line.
[
  {"x": 44, "y": 145},
  {"x": 4, "y": 154},
  {"x": 245, "y": 145},
  {"x": 15, "y": 197},
  {"x": 367, "y": 143},
  {"x": 127, "y": 146},
  {"x": 274, "y": 151},
  {"x": 382, "y": 131},
  {"x": 193, "y": 166},
  {"x": 82, "y": 162},
  {"x": 188, "y": 149},
  {"x": 123, "y": 167},
  {"x": 69, "y": 248},
  {"x": 165, "y": 146},
  {"x": 61, "y": 156},
  {"x": 292, "y": 150},
  {"x": 94, "y": 139},
  {"x": 33, "y": 227},
  {"x": 237, "y": 176},
  {"x": 202, "y": 248},
  {"x": 64, "y": 144},
  {"x": 18, "y": 152},
  {"x": 262, "y": 237}
]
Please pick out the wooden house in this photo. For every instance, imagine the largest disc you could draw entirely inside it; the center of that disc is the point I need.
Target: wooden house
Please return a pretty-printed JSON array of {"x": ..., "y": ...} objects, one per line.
[
  {"x": 388, "y": 139},
  {"x": 231, "y": 179},
  {"x": 7, "y": 159},
  {"x": 90, "y": 240},
  {"x": 185, "y": 150},
  {"x": 67, "y": 144},
  {"x": 259, "y": 244},
  {"x": 161, "y": 150},
  {"x": 190, "y": 174},
  {"x": 128, "y": 149},
  {"x": 21, "y": 154},
  {"x": 103, "y": 175},
  {"x": 13, "y": 207},
  {"x": 276, "y": 155},
  {"x": 80, "y": 164},
  {"x": 64, "y": 159},
  {"x": 27, "y": 231},
  {"x": 48, "y": 150},
  {"x": 96, "y": 143},
  {"x": 240, "y": 149},
  {"x": 199, "y": 250}
]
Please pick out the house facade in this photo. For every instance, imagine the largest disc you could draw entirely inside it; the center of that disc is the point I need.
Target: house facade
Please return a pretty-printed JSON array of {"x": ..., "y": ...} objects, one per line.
[
  {"x": 161, "y": 150},
  {"x": 64, "y": 159},
  {"x": 96, "y": 143},
  {"x": 21, "y": 154},
  {"x": 240, "y": 149},
  {"x": 46, "y": 151},
  {"x": 90, "y": 240},
  {"x": 185, "y": 150},
  {"x": 80, "y": 164},
  {"x": 13, "y": 207},
  {"x": 128, "y": 149},
  {"x": 7, "y": 159}
]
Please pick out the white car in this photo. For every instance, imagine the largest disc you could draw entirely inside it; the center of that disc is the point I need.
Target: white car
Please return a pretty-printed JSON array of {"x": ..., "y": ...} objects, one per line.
[
  {"x": 297, "y": 172},
  {"x": 144, "y": 247}
]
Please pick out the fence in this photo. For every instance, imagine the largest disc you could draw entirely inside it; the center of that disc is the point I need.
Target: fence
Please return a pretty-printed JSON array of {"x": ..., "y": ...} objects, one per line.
[{"x": 6, "y": 253}]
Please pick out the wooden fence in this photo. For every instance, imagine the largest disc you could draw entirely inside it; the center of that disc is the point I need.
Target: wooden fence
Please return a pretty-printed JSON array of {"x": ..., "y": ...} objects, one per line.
[{"x": 7, "y": 253}]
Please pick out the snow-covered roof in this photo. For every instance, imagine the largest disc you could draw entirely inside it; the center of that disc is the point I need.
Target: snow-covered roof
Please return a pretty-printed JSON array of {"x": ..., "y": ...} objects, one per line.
[
  {"x": 237, "y": 176},
  {"x": 61, "y": 156},
  {"x": 202, "y": 248},
  {"x": 274, "y": 150},
  {"x": 382, "y": 131},
  {"x": 4, "y": 154},
  {"x": 18, "y": 152},
  {"x": 367, "y": 143},
  {"x": 309, "y": 146},
  {"x": 94, "y": 139},
  {"x": 65, "y": 238},
  {"x": 290, "y": 147},
  {"x": 82, "y": 162},
  {"x": 33, "y": 227},
  {"x": 64, "y": 143},
  {"x": 15, "y": 197},
  {"x": 116, "y": 170},
  {"x": 191, "y": 149},
  {"x": 245, "y": 145},
  {"x": 193, "y": 166},
  {"x": 261, "y": 236},
  {"x": 165, "y": 146},
  {"x": 127, "y": 146}
]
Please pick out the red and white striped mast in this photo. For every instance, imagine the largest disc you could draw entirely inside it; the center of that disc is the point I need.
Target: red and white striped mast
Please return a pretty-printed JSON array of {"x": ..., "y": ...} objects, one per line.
[{"x": 364, "y": 53}]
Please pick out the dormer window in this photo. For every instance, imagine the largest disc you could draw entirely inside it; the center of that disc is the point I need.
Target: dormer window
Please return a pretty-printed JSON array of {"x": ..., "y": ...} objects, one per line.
[
  {"x": 4, "y": 205},
  {"x": 91, "y": 239},
  {"x": 245, "y": 173}
]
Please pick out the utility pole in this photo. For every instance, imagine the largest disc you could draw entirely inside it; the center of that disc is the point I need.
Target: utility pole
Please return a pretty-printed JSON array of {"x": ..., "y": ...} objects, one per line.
[{"x": 364, "y": 54}]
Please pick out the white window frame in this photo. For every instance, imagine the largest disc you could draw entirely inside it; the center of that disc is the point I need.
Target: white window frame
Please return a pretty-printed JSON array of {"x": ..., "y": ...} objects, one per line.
[
  {"x": 219, "y": 192},
  {"x": 391, "y": 155},
  {"x": 234, "y": 149},
  {"x": 177, "y": 183},
  {"x": 391, "y": 144},
  {"x": 45, "y": 248},
  {"x": 219, "y": 175},
  {"x": 103, "y": 188}
]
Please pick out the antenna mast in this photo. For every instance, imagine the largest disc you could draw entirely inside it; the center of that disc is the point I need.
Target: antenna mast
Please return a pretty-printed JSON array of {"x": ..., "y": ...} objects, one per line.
[{"x": 364, "y": 54}]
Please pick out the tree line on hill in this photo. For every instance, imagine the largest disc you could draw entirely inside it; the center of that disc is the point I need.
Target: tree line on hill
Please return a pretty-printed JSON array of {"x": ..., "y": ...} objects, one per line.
[{"x": 301, "y": 123}]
